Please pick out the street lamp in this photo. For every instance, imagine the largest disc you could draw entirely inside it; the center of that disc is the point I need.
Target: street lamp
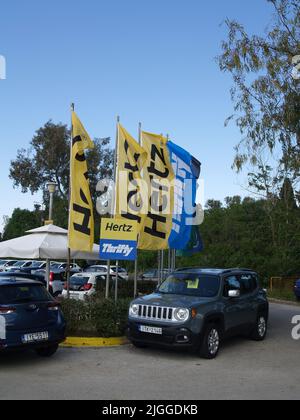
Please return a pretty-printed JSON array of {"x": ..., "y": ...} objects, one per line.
[{"x": 51, "y": 187}]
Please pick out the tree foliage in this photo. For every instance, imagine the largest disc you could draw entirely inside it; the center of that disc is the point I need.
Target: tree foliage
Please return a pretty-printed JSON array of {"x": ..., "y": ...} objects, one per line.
[
  {"x": 243, "y": 233},
  {"x": 20, "y": 222},
  {"x": 48, "y": 159},
  {"x": 265, "y": 95}
]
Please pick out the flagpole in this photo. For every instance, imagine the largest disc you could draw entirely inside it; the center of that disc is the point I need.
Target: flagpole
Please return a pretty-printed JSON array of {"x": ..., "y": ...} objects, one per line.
[
  {"x": 162, "y": 265},
  {"x": 136, "y": 260},
  {"x": 170, "y": 251},
  {"x": 114, "y": 201},
  {"x": 70, "y": 186}
]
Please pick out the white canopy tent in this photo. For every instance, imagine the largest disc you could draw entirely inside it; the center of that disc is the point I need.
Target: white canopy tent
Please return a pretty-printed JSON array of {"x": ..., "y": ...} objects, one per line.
[{"x": 47, "y": 242}]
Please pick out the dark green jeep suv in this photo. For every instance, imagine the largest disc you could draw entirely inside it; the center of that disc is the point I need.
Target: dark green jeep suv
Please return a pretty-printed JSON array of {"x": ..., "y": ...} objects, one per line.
[{"x": 197, "y": 308}]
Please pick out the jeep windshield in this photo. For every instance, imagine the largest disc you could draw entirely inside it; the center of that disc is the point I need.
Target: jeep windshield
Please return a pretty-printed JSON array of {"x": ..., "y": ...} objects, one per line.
[{"x": 195, "y": 284}]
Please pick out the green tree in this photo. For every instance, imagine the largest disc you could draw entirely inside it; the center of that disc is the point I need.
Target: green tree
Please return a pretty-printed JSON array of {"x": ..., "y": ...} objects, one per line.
[
  {"x": 265, "y": 95},
  {"x": 48, "y": 158},
  {"x": 20, "y": 222}
]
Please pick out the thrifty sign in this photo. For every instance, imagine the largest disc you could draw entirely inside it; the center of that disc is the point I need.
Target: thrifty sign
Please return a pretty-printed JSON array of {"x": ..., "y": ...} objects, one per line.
[{"x": 118, "y": 240}]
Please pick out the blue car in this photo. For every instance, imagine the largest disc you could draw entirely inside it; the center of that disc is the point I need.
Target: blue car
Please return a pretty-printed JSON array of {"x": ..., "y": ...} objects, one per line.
[
  {"x": 297, "y": 289},
  {"x": 29, "y": 317}
]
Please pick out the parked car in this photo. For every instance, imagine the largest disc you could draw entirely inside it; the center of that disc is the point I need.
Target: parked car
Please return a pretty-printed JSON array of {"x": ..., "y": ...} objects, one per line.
[
  {"x": 18, "y": 266},
  {"x": 36, "y": 265},
  {"x": 199, "y": 308},
  {"x": 63, "y": 266},
  {"x": 153, "y": 275},
  {"x": 123, "y": 275},
  {"x": 6, "y": 263},
  {"x": 83, "y": 285},
  {"x": 29, "y": 317},
  {"x": 57, "y": 279},
  {"x": 297, "y": 289}
]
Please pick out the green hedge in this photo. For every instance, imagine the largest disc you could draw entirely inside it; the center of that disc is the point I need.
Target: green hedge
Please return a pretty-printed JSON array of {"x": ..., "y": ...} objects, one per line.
[
  {"x": 98, "y": 317},
  {"x": 125, "y": 288}
]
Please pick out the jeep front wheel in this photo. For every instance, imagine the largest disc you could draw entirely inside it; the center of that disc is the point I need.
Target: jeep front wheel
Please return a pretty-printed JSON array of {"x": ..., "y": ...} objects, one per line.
[
  {"x": 260, "y": 330},
  {"x": 211, "y": 342}
]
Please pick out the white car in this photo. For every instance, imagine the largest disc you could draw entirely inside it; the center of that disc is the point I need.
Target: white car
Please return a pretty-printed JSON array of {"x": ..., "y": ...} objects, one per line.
[
  {"x": 63, "y": 266},
  {"x": 103, "y": 269},
  {"x": 18, "y": 266},
  {"x": 6, "y": 264},
  {"x": 83, "y": 285}
]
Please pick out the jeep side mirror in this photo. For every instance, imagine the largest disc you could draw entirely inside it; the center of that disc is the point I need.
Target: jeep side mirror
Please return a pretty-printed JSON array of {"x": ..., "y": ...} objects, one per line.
[{"x": 234, "y": 293}]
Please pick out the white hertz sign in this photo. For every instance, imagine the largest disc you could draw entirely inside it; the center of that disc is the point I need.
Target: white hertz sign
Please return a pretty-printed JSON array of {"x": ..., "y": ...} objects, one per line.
[{"x": 118, "y": 239}]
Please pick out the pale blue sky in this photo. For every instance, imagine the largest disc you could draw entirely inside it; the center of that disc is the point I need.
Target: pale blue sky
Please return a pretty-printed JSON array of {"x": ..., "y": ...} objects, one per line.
[{"x": 150, "y": 61}]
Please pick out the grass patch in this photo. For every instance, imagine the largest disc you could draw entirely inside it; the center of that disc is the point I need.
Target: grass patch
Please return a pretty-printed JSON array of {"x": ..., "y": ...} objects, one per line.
[{"x": 284, "y": 294}]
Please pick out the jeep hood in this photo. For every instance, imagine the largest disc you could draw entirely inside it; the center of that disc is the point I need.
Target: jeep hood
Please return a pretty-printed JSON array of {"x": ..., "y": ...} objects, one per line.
[{"x": 172, "y": 301}]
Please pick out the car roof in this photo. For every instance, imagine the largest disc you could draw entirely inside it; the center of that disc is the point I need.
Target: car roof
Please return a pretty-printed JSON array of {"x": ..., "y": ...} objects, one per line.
[
  {"x": 214, "y": 271},
  {"x": 11, "y": 281},
  {"x": 83, "y": 274}
]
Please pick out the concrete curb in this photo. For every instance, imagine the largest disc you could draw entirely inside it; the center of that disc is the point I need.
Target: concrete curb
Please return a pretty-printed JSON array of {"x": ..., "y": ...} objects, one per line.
[
  {"x": 284, "y": 302},
  {"x": 94, "y": 342}
]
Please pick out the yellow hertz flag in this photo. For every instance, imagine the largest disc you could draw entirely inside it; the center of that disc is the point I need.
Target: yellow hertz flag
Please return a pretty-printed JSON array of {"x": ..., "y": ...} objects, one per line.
[
  {"x": 159, "y": 177},
  {"x": 129, "y": 191},
  {"x": 81, "y": 218}
]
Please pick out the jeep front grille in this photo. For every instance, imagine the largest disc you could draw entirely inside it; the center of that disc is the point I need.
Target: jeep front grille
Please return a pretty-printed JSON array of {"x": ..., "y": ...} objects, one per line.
[{"x": 156, "y": 313}]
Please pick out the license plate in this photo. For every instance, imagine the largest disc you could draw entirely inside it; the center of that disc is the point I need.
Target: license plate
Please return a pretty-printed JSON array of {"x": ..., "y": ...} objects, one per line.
[
  {"x": 35, "y": 337},
  {"x": 150, "y": 330},
  {"x": 75, "y": 296}
]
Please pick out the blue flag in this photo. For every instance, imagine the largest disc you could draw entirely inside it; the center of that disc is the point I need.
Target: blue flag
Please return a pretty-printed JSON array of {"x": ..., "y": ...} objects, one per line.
[
  {"x": 194, "y": 246},
  {"x": 187, "y": 171}
]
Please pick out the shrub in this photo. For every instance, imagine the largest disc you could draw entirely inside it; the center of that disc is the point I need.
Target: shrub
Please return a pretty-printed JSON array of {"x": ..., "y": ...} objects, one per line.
[
  {"x": 78, "y": 316},
  {"x": 125, "y": 288},
  {"x": 98, "y": 317},
  {"x": 110, "y": 319}
]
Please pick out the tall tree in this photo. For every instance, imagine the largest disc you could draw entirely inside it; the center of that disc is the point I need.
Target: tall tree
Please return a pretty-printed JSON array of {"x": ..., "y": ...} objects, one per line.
[
  {"x": 20, "y": 222},
  {"x": 266, "y": 96},
  {"x": 48, "y": 158}
]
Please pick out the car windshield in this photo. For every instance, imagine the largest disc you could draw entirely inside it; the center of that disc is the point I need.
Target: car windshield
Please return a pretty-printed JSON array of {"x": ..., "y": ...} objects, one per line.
[
  {"x": 19, "y": 294},
  {"x": 95, "y": 269},
  {"x": 121, "y": 270},
  {"x": 19, "y": 263},
  {"x": 2, "y": 262},
  {"x": 36, "y": 264},
  {"x": 55, "y": 265},
  {"x": 196, "y": 284},
  {"x": 79, "y": 281}
]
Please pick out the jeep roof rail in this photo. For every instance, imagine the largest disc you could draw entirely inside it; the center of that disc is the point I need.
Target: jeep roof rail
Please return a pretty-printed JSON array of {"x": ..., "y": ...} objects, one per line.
[{"x": 239, "y": 269}]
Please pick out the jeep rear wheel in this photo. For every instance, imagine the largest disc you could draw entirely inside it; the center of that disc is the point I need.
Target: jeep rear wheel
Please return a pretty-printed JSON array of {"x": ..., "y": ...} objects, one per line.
[
  {"x": 210, "y": 344},
  {"x": 260, "y": 330}
]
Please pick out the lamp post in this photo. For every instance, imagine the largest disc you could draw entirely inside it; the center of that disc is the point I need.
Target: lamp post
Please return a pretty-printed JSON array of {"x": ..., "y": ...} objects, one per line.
[{"x": 51, "y": 187}]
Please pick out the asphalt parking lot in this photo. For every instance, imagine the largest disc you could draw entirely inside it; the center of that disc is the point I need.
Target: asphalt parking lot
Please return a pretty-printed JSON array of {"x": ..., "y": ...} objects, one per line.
[{"x": 243, "y": 370}]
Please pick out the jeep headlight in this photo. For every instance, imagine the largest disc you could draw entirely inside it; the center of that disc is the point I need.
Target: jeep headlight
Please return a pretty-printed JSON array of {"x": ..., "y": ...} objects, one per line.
[
  {"x": 134, "y": 310},
  {"x": 181, "y": 314}
]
